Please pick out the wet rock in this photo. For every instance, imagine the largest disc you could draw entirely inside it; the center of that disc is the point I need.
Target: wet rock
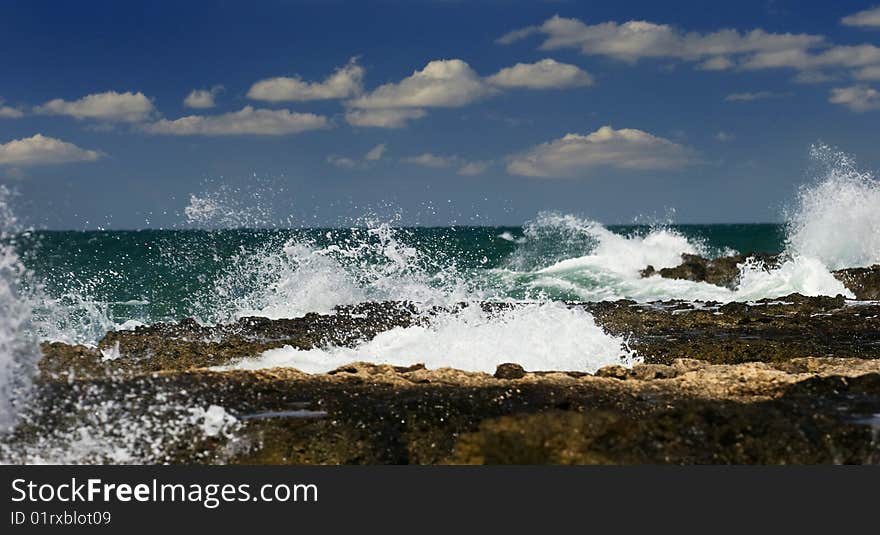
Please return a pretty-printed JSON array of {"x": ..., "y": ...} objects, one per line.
[
  {"x": 509, "y": 371},
  {"x": 864, "y": 282},
  {"x": 770, "y": 330},
  {"x": 722, "y": 271},
  {"x": 786, "y": 380},
  {"x": 798, "y": 411}
]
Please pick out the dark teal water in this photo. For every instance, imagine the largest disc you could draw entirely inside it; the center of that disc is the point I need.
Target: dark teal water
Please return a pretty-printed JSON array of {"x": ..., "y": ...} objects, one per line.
[{"x": 156, "y": 275}]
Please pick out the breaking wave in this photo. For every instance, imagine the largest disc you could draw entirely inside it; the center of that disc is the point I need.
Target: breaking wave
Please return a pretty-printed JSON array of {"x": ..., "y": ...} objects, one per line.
[
  {"x": 554, "y": 257},
  {"x": 538, "y": 336},
  {"x": 837, "y": 219},
  {"x": 18, "y": 347}
]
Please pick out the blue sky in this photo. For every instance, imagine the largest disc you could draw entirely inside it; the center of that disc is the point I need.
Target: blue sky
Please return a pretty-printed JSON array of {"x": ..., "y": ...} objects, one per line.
[{"x": 437, "y": 112}]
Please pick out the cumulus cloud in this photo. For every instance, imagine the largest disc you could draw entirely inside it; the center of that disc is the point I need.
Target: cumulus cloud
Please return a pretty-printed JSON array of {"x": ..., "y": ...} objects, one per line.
[
  {"x": 441, "y": 84},
  {"x": 719, "y": 50},
  {"x": 633, "y": 40},
  {"x": 858, "y": 98},
  {"x": 8, "y": 112},
  {"x": 869, "y": 73},
  {"x": 835, "y": 57},
  {"x": 577, "y": 155},
  {"x": 247, "y": 121},
  {"x": 344, "y": 83},
  {"x": 724, "y": 137},
  {"x": 202, "y": 98},
  {"x": 869, "y": 18},
  {"x": 375, "y": 153},
  {"x": 452, "y": 83},
  {"x": 545, "y": 74},
  {"x": 39, "y": 149},
  {"x": 387, "y": 118},
  {"x": 109, "y": 106}
]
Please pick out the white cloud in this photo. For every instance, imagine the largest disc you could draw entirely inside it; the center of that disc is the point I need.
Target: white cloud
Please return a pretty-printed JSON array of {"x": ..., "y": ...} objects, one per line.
[
  {"x": 342, "y": 161},
  {"x": 719, "y": 50},
  {"x": 243, "y": 122},
  {"x": 813, "y": 77},
  {"x": 436, "y": 161},
  {"x": 858, "y": 98},
  {"x": 869, "y": 73},
  {"x": 441, "y": 84},
  {"x": 517, "y": 35},
  {"x": 835, "y": 57},
  {"x": 375, "y": 153},
  {"x": 202, "y": 98},
  {"x": 345, "y": 162},
  {"x": 750, "y": 96},
  {"x": 578, "y": 155},
  {"x": 344, "y": 83},
  {"x": 39, "y": 149},
  {"x": 717, "y": 63},
  {"x": 387, "y": 118},
  {"x": 8, "y": 112},
  {"x": 868, "y": 18},
  {"x": 633, "y": 40},
  {"x": 545, "y": 74},
  {"x": 428, "y": 159},
  {"x": 109, "y": 106},
  {"x": 452, "y": 83},
  {"x": 724, "y": 137},
  {"x": 474, "y": 168}
]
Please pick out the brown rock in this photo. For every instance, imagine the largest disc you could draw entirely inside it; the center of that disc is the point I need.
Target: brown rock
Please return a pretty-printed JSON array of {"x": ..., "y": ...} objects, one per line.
[
  {"x": 863, "y": 282},
  {"x": 509, "y": 371}
]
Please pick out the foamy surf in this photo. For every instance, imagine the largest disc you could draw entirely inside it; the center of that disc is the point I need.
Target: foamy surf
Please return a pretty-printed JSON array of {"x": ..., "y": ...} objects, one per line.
[{"x": 539, "y": 336}]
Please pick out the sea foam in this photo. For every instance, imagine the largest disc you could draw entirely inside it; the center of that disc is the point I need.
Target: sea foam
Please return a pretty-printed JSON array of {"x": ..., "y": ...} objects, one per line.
[{"x": 538, "y": 336}]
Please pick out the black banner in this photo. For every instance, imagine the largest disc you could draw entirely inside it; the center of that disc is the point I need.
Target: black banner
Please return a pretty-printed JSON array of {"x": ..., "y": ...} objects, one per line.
[{"x": 397, "y": 498}]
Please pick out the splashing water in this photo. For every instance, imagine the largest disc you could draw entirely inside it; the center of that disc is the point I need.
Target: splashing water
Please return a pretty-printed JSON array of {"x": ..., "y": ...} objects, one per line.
[
  {"x": 554, "y": 257},
  {"x": 358, "y": 265},
  {"x": 538, "y": 336},
  {"x": 837, "y": 220},
  {"x": 18, "y": 352}
]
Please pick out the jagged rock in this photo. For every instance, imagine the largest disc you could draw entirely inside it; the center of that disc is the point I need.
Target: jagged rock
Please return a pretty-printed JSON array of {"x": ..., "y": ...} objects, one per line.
[
  {"x": 509, "y": 371},
  {"x": 809, "y": 410},
  {"x": 789, "y": 380},
  {"x": 770, "y": 330},
  {"x": 723, "y": 271},
  {"x": 863, "y": 282}
]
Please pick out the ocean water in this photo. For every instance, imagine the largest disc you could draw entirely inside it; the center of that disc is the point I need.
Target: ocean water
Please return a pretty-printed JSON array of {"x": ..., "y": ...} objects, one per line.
[
  {"x": 102, "y": 279},
  {"x": 74, "y": 286}
]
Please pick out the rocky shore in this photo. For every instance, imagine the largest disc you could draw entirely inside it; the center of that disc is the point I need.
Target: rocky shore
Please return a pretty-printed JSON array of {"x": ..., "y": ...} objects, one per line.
[
  {"x": 863, "y": 282},
  {"x": 789, "y": 380}
]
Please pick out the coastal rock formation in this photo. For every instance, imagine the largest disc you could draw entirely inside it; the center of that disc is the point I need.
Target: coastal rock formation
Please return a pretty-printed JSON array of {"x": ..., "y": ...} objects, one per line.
[
  {"x": 722, "y": 271},
  {"x": 769, "y": 331},
  {"x": 806, "y": 410},
  {"x": 790, "y": 380},
  {"x": 863, "y": 282}
]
